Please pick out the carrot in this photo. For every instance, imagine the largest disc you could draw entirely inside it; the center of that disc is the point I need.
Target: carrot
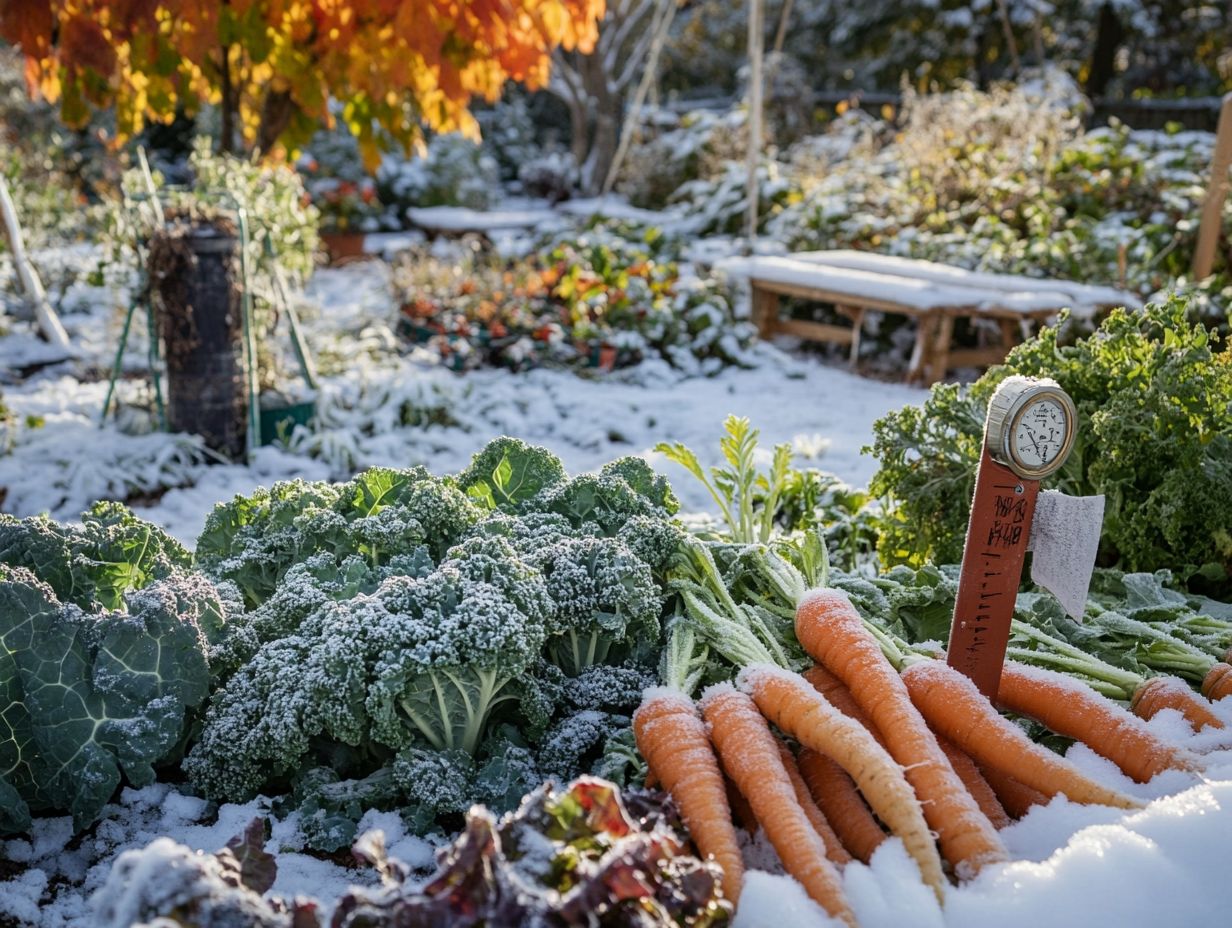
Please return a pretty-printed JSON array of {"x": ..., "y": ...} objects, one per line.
[
  {"x": 955, "y": 708},
  {"x": 742, "y": 812},
  {"x": 750, "y": 755},
  {"x": 836, "y": 692},
  {"x": 788, "y": 701},
  {"x": 832, "y": 632},
  {"x": 838, "y": 854},
  {"x": 1160, "y": 693},
  {"x": 1076, "y": 711},
  {"x": 975, "y": 783},
  {"x": 1218, "y": 682},
  {"x": 840, "y": 802},
  {"x": 673, "y": 739},
  {"x": 1016, "y": 798}
]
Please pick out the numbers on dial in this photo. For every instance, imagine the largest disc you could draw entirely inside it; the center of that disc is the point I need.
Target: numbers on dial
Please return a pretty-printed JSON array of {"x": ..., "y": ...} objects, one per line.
[{"x": 1040, "y": 433}]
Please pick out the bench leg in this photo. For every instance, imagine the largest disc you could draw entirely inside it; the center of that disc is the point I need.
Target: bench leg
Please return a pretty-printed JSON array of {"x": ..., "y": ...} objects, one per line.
[
  {"x": 857, "y": 328},
  {"x": 1008, "y": 339},
  {"x": 765, "y": 306},
  {"x": 941, "y": 349},
  {"x": 921, "y": 355}
]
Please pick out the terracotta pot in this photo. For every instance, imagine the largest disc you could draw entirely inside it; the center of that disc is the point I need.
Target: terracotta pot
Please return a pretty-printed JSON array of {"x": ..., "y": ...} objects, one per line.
[{"x": 342, "y": 246}]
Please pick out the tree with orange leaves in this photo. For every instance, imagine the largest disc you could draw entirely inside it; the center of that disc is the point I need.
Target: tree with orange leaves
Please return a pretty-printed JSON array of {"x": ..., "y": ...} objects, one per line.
[{"x": 273, "y": 66}]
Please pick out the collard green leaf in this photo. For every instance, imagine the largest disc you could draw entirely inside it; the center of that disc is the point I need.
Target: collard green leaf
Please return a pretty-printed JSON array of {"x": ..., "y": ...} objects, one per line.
[{"x": 86, "y": 699}]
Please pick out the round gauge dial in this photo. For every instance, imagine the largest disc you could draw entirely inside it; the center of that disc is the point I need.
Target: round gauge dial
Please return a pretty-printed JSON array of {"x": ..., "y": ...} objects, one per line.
[
  {"x": 1031, "y": 424},
  {"x": 1039, "y": 432}
]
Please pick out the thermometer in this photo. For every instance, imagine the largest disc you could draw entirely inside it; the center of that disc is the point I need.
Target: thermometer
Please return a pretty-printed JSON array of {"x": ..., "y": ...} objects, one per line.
[{"x": 1027, "y": 436}]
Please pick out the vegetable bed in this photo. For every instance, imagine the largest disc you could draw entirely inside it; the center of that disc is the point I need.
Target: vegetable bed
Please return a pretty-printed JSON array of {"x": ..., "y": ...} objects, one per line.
[{"x": 564, "y": 705}]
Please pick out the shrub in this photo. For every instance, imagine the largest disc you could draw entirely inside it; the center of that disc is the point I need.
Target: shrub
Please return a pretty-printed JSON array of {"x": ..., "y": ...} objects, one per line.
[{"x": 1154, "y": 399}]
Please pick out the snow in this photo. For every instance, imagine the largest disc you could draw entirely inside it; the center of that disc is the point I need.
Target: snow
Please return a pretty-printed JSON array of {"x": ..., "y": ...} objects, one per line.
[
  {"x": 461, "y": 219},
  {"x": 1085, "y": 294},
  {"x": 897, "y": 282},
  {"x": 1086, "y": 866}
]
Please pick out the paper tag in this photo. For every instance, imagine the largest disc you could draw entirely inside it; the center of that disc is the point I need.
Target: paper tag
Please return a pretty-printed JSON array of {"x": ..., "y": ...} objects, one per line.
[{"x": 1065, "y": 540}]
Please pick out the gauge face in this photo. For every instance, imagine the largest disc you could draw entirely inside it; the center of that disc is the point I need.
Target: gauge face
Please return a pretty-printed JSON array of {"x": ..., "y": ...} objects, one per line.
[{"x": 1040, "y": 434}]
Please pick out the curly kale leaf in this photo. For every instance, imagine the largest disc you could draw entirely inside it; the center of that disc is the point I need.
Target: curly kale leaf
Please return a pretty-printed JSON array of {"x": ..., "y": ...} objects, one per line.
[
  {"x": 643, "y": 480},
  {"x": 605, "y": 500},
  {"x": 507, "y": 472},
  {"x": 421, "y": 661},
  {"x": 380, "y": 515},
  {"x": 95, "y": 564},
  {"x": 605, "y": 599},
  {"x": 577, "y": 742}
]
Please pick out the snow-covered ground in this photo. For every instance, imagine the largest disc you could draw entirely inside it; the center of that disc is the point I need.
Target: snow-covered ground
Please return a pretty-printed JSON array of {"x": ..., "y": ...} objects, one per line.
[
  {"x": 1072, "y": 866},
  {"x": 1079, "y": 866},
  {"x": 370, "y": 391}
]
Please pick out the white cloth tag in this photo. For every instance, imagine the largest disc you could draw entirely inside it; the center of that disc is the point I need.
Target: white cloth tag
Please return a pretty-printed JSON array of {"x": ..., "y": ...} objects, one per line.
[{"x": 1065, "y": 539}]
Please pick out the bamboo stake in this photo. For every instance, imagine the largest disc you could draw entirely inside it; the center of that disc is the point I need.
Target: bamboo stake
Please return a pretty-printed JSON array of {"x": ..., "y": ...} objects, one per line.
[
  {"x": 1216, "y": 192},
  {"x": 757, "y": 33},
  {"x": 27, "y": 276}
]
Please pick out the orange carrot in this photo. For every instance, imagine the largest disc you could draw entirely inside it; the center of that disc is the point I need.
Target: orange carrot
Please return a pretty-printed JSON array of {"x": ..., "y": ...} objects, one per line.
[
  {"x": 834, "y": 847},
  {"x": 1076, "y": 711},
  {"x": 837, "y": 694},
  {"x": 797, "y": 709},
  {"x": 1218, "y": 682},
  {"x": 976, "y": 785},
  {"x": 750, "y": 755},
  {"x": 841, "y": 804},
  {"x": 673, "y": 739},
  {"x": 832, "y": 632},
  {"x": 742, "y": 812},
  {"x": 1159, "y": 693},
  {"x": 956, "y": 709},
  {"x": 1016, "y": 798}
]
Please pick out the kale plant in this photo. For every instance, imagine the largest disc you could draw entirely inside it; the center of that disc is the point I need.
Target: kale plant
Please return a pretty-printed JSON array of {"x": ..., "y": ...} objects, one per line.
[
  {"x": 1154, "y": 398},
  {"x": 422, "y": 643}
]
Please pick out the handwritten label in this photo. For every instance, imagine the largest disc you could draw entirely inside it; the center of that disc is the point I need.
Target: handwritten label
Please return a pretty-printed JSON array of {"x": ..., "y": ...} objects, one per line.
[{"x": 993, "y": 556}]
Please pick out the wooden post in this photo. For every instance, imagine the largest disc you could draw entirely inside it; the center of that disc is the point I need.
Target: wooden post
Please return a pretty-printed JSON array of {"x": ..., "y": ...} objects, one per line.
[
  {"x": 765, "y": 306},
  {"x": 48, "y": 321},
  {"x": 1212, "y": 209},
  {"x": 993, "y": 555},
  {"x": 757, "y": 32}
]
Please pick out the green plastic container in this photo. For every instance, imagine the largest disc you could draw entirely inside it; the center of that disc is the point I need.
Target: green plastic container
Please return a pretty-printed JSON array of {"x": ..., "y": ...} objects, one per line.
[{"x": 279, "y": 421}]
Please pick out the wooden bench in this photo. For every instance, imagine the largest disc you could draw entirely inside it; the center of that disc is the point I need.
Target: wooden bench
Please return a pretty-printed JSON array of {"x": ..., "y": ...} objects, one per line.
[{"x": 935, "y": 295}]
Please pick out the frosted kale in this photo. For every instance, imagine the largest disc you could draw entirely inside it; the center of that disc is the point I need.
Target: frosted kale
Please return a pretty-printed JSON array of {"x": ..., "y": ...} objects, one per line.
[
  {"x": 379, "y": 515},
  {"x": 507, "y": 472},
  {"x": 92, "y": 565},
  {"x": 606, "y": 601},
  {"x": 421, "y": 661}
]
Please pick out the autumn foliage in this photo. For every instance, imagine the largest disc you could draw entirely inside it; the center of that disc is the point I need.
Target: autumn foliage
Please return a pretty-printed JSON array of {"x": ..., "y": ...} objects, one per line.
[{"x": 393, "y": 66}]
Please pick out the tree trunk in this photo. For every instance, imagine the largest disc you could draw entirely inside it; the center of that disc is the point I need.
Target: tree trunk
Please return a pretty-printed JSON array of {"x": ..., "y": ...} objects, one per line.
[
  {"x": 1108, "y": 38},
  {"x": 603, "y": 124},
  {"x": 228, "y": 103},
  {"x": 276, "y": 114},
  {"x": 193, "y": 281}
]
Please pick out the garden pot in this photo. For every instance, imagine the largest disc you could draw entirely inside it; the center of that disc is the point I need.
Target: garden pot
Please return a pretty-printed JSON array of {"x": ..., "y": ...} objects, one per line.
[
  {"x": 194, "y": 280},
  {"x": 342, "y": 246},
  {"x": 277, "y": 422}
]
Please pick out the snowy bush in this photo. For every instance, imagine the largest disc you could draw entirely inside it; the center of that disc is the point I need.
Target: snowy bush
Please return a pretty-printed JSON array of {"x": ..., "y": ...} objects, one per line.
[
  {"x": 1007, "y": 181},
  {"x": 672, "y": 151},
  {"x": 454, "y": 171},
  {"x": 552, "y": 176}
]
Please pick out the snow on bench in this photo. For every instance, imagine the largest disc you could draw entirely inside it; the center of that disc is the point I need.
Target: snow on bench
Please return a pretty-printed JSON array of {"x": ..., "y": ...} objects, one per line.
[
  {"x": 455, "y": 220},
  {"x": 1080, "y": 295},
  {"x": 934, "y": 294}
]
